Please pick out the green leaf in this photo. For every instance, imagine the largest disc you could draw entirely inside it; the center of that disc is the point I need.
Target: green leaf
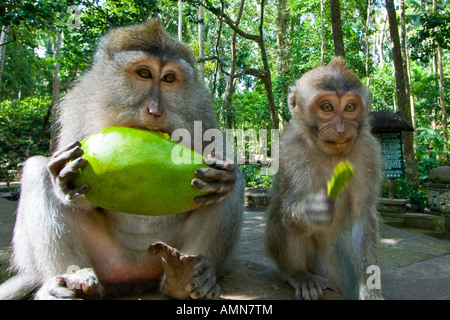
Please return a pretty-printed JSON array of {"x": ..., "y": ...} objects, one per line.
[{"x": 343, "y": 172}]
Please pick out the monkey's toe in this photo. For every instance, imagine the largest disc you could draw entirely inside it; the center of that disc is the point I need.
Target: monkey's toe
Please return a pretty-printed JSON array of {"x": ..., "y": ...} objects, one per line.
[
  {"x": 203, "y": 285},
  {"x": 308, "y": 286}
]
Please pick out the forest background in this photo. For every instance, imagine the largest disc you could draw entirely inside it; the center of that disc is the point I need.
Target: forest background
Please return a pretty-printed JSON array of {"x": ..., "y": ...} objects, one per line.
[{"x": 249, "y": 53}]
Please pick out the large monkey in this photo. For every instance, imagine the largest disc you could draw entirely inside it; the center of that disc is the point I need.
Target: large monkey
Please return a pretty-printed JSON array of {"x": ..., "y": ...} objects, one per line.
[
  {"x": 143, "y": 78},
  {"x": 317, "y": 241}
]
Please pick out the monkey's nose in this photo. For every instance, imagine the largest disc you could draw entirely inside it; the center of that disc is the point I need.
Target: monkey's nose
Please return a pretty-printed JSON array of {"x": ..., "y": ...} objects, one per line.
[{"x": 154, "y": 110}]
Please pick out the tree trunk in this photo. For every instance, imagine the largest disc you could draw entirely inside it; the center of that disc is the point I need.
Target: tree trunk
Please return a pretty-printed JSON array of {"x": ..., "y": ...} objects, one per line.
[
  {"x": 442, "y": 101},
  {"x": 265, "y": 74},
  {"x": 322, "y": 35},
  {"x": 405, "y": 56},
  {"x": 56, "y": 89},
  {"x": 402, "y": 99},
  {"x": 201, "y": 46},
  {"x": 282, "y": 57},
  {"x": 228, "y": 101},
  {"x": 180, "y": 20},
  {"x": 439, "y": 69},
  {"x": 381, "y": 42},
  {"x": 367, "y": 44},
  {"x": 3, "y": 35},
  {"x": 336, "y": 23}
]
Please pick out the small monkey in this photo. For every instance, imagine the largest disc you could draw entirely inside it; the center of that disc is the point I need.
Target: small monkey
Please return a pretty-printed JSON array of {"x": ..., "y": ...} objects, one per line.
[
  {"x": 64, "y": 247},
  {"x": 316, "y": 241}
]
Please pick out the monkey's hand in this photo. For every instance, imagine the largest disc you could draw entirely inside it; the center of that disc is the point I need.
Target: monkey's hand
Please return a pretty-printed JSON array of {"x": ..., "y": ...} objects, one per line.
[
  {"x": 62, "y": 165},
  {"x": 318, "y": 209},
  {"x": 186, "y": 276},
  {"x": 218, "y": 181}
]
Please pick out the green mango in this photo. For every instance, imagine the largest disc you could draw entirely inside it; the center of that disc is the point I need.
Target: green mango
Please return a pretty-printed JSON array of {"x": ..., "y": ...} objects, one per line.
[{"x": 131, "y": 170}]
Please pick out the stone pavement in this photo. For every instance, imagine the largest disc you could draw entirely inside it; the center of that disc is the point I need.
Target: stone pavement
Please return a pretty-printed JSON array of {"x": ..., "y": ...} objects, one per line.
[{"x": 413, "y": 266}]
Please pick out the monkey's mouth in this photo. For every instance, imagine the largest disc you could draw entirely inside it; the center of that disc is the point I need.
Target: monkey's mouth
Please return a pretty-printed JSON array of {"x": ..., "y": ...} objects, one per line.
[
  {"x": 338, "y": 143},
  {"x": 339, "y": 146},
  {"x": 156, "y": 129}
]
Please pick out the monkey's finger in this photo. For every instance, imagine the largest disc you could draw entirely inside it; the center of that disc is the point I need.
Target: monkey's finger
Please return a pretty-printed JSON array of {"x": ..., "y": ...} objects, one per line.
[
  {"x": 209, "y": 174},
  {"x": 218, "y": 187},
  {"x": 66, "y": 148},
  {"x": 304, "y": 292},
  {"x": 220, "y": 164},
  {"x": 315, "y": 292},
  {"x": 67, "y": 172},
  {"x": 56, "y": 164},
  {"x": 74, "y": 193}
]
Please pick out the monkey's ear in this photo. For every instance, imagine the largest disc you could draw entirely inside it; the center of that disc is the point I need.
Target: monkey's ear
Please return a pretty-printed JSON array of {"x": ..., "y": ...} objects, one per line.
[{"x": 292, "y": 99}]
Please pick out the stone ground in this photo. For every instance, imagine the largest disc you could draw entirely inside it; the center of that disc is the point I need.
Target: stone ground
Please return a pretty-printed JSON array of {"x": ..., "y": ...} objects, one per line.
[{"x": 413, "y": 266}]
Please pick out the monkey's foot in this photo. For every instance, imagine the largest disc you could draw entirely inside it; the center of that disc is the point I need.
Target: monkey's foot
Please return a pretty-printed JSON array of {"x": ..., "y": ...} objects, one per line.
[
  {"x": 186, "y": 276},
  {"x": 82, "y": 284},
  {"x": 308, "y": 286}
]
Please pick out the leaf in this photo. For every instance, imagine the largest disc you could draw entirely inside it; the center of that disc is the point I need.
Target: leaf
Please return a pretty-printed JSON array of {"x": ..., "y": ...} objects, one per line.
[{"x": 342, "y": 174}]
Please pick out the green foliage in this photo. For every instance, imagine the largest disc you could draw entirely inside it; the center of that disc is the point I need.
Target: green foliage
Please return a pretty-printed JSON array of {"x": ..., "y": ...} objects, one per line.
[
  {"x": 434, "y": 27},
  {"x": 382, "y": 88},
  {"x": 403, "y": 190},
  {"x": 254, "y": 178},
  {"x": 24, "y": 73},
  {"x": 20, "y": 133},
  {"x": 429, "y": 150}
]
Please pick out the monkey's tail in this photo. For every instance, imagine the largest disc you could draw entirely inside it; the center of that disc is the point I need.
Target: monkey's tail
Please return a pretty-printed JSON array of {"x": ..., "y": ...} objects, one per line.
[{"x": 18, "y": 287}]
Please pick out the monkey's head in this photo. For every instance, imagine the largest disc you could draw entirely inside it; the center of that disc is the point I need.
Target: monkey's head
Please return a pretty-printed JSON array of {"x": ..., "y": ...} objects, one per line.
[
  {"x": 331, "y": 103},
  {"x": 145, "y": 78}
]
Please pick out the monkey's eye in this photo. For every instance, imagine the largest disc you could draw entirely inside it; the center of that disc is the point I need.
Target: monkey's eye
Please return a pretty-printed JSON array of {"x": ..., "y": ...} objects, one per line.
[
  {"x": 169, "y": 78},
  {"x": 350, "y": 107},
  {"x": 144, "y": 73},
  {"x": 326, "y": 107}
]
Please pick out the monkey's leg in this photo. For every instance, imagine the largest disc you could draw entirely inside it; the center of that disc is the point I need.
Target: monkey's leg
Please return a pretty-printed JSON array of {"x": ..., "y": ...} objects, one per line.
[
  {"x": 17, "y": 287},
  {"x": 186, "y": 276}
]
